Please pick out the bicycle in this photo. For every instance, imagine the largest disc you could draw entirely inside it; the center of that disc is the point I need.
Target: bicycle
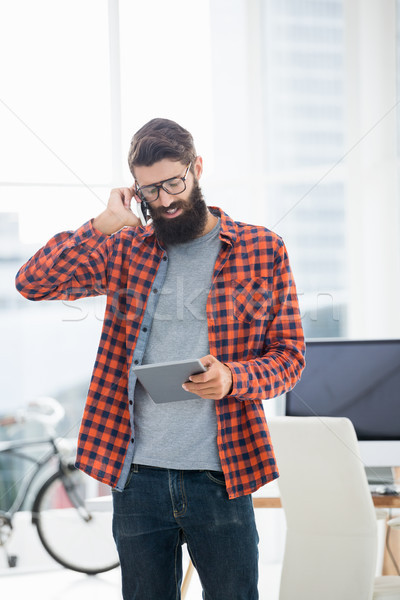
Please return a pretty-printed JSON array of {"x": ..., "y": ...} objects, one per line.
[{"x": 74, "y": 527}]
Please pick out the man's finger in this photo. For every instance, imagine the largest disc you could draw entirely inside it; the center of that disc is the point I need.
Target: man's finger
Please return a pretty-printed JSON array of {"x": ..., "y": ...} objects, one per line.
[
  {"x": 204, "y": 391},
  {"x": 200, "y": 377}
]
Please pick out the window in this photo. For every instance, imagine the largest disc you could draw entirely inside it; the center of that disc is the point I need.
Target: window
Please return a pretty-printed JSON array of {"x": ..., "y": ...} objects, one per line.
[
  {"x": 79, "y": 80},
  {"x": 304, "y": 131}
]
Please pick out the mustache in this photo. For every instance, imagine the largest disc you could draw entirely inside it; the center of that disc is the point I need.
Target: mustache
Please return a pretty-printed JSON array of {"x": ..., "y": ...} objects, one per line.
[{"x": 156, "y": 212}]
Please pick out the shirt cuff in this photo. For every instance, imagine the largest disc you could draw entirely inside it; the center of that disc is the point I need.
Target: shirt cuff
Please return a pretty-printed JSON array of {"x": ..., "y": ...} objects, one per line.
[{"x": 240, "y": 379}]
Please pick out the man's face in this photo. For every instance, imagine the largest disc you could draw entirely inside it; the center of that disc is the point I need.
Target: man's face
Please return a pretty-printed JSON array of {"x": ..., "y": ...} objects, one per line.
[{"x": 176, "y": 218}]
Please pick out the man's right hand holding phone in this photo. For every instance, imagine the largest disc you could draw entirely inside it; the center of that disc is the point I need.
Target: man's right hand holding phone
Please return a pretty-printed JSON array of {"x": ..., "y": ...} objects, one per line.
[{"x": 118, "y": 212}]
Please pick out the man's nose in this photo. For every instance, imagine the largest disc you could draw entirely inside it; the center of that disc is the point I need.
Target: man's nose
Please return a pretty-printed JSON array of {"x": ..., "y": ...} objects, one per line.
[{"x": 164, "y": 197}]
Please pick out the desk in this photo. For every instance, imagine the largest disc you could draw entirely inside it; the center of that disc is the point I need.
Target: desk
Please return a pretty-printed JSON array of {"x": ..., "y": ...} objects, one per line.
[{"x": 380, "y": 501}]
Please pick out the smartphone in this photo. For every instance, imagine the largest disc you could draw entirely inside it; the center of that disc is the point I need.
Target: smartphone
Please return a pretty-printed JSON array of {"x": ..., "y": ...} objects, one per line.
[{"x": 143, "y": 212}]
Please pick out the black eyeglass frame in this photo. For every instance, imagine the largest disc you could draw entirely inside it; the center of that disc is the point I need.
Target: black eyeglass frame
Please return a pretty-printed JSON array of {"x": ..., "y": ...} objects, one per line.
[{"x": 161, "y": 185}]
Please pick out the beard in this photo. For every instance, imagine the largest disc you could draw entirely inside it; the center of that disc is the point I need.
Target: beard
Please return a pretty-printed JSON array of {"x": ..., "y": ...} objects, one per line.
[{"x": 187, "y": 226}]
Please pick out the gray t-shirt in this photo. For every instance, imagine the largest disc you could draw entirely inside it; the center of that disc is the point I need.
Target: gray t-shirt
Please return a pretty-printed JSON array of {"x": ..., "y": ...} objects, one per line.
[{"x": 180, "y": 435}]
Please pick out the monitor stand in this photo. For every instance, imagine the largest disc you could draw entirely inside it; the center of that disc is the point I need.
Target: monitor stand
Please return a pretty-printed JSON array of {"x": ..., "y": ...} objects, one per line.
[
  {"x": 379, "y": 475},
  {"x": 384, "y": 480}
]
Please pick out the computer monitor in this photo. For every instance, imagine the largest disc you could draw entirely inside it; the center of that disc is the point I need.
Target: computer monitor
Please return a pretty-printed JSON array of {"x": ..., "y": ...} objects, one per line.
[{"x": 359, "y": 380}]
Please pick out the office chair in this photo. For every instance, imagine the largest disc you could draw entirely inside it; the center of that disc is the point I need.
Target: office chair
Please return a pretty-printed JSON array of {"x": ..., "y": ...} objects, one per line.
[{"x": 331, "y": 538}]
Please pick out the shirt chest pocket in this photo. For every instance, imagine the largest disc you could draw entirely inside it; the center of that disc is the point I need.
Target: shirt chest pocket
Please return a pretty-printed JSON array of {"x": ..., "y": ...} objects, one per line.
[{"x": 251, "y": 299}]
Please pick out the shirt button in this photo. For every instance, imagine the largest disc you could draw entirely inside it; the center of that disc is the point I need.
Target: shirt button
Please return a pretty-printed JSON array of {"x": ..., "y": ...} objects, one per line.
[
  {"x": 165, "y": 257},
  {"x": 155, "y": 290},
  {"x": 145, "y": 329},
  {"x": 130, "y": 402},
  {"x": 136, "y": 362},
  {"x": 132, "y": 440}
]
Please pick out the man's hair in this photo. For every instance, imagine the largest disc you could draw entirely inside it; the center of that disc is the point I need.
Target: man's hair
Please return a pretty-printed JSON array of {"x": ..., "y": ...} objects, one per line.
[{"x": 158, "y": 139}]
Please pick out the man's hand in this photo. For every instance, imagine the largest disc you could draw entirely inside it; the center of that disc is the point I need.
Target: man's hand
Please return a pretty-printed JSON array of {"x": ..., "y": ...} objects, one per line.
[
  {"x": 215, "y": 384},
  {"x": 118, "y": 212}
]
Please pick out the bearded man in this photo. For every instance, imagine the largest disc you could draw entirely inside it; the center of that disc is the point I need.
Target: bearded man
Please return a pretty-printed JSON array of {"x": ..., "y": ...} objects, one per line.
[{"x": 183, "y": 281}]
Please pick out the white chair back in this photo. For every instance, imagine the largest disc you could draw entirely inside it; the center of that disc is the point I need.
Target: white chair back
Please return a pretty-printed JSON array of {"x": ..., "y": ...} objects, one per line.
[{"x": 331, "y": 540}]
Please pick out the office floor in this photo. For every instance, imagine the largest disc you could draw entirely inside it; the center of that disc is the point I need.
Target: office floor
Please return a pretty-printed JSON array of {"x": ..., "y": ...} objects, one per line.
[{"x": 60, "y": 584}]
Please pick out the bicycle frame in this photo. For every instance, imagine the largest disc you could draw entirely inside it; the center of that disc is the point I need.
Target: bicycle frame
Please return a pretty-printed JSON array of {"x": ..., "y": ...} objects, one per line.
[
  {"x": 13, "y": 449},
  {"x": 95, "y": 530}
]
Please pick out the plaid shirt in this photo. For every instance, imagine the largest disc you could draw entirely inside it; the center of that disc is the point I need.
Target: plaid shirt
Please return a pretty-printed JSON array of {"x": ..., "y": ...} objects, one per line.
[{"x": 254, "y": 327}]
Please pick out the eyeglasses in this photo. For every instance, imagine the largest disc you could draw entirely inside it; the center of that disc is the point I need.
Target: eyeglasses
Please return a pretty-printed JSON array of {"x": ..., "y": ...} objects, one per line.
[{"x": 173, "y": 186}]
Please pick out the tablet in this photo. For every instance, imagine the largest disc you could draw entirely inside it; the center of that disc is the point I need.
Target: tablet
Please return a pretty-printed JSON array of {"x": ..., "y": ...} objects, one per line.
[{"x": 163, "y": 381}]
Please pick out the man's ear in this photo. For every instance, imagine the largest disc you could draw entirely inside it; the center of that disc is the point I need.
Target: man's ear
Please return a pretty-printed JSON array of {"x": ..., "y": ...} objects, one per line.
[{"x": 198, "y": 167}]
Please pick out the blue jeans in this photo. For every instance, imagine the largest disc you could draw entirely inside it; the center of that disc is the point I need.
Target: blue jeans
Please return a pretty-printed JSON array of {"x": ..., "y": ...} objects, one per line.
[{"x": 159, "y": 510}]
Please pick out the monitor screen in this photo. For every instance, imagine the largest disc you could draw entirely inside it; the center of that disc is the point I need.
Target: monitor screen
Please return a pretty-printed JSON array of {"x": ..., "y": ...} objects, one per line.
[{"x": 355, "y": 379}]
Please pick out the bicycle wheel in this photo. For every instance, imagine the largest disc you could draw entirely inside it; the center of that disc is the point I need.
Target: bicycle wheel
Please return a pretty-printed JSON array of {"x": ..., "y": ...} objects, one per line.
[{"x": 76, "y": 531}]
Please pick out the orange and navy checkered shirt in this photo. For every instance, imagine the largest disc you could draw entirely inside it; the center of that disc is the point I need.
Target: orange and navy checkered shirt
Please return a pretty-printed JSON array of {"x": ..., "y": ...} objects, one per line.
[{"x": 254, "y": 327}]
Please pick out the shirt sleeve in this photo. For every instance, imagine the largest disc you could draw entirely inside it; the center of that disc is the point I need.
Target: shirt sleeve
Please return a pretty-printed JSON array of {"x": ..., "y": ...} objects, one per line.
[
  {"x": 71, "y": 265},
  {"x": 279, "y": 368}
]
